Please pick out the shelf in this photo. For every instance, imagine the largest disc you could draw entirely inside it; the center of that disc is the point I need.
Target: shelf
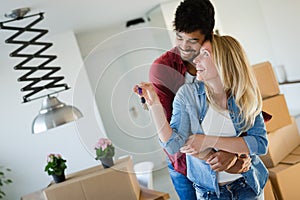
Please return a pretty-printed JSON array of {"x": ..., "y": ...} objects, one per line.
[{"x": 289, "y": 82}]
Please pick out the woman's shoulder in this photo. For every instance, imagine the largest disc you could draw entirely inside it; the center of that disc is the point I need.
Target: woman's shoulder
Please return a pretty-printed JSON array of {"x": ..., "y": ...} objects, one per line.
[
  {"x": 192, "y": 87},
  {"x": 188, "y": 91},
  {"x": 187, "y": 87}
]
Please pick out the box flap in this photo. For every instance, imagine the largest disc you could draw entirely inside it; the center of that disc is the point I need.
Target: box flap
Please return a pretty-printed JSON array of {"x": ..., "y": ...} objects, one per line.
[
  {"x": 291, "y": 159},
  {"x": 296, "y": 151},
  {"x": 281, "y": 143},
  {"x": 147, "y": 194}
]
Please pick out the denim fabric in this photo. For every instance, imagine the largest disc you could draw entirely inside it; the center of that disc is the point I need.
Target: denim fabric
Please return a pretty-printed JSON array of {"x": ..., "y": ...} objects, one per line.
[
  {"x": 189, "y": 109},
  {"x": 237, "y": 190},
  {"x": 183, "y": 186}
]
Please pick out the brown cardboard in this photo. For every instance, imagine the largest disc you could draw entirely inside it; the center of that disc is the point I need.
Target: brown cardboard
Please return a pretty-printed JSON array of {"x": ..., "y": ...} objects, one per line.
[
  {"x": 285, "y": 180},
  {"x": 277, "y": 107},
  {"x": 296, "y": 151},
  {"x": 291, "y": 159},
  {"x": 268, "y": 191},
  {"x": 266, "y": 79},
  {"x": 98, "y": 183},
  {"x": 147, "y": 194},
  {"x": 281, "y": 143}
]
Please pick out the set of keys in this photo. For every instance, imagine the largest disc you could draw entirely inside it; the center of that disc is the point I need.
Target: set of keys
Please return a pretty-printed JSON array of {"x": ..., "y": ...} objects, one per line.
[{"x": 143, "y": 100}]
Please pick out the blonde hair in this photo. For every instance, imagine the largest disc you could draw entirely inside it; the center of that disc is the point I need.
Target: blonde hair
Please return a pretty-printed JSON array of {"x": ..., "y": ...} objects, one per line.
[{"x": 237, "y": 78}]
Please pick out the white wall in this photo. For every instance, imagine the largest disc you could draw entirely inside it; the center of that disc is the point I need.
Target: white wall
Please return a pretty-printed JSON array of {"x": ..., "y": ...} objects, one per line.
[
  {"x": 244, "y": 20},
  {"x": 25, "y": 153},
  {"x": 121, "y": 58},
  {"x": 269, "y": 31}
]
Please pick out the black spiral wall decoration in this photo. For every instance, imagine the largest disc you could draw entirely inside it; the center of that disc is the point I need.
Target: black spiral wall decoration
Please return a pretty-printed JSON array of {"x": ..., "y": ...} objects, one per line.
[{"x": 33, "y": 87}]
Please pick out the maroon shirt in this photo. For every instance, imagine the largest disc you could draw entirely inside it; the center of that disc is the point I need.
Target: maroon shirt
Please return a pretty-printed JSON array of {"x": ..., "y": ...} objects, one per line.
[{"x": 167, "y": 75}]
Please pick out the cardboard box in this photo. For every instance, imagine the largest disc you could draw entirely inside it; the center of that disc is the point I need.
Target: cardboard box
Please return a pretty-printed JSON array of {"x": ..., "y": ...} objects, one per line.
[
  {"x": 268, "y": 191},
  {"x": 296, "y": 151},
  {"x": 281, "y": 143},
  {"x": 285, "y": 178},
  {"x": 115, "y": 183},
  {"x": 146, "y": 194},
  {"x": 277, "y": 107},
  {"x": 266, "y": 79}
]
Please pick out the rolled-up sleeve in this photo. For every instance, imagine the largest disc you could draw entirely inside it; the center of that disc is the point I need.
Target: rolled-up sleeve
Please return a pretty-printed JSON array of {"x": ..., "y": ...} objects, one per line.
[
  {"x": 256, "y": 138},
  {"x": 180, "y": 124}
]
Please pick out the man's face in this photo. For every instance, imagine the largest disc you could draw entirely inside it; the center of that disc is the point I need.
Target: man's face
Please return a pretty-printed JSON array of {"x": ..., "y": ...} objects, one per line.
[{"x": 189, "y": 44}]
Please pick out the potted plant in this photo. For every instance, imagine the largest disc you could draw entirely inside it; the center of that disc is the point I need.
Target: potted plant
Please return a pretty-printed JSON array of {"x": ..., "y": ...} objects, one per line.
[
  {"x": 105, "y": 152},
  {"x": 3, "y": 180},
  {"x": 56, "y": 166}
]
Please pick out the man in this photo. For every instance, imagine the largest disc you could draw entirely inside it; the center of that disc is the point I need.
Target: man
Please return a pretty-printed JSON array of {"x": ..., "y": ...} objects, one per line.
[{"x": 193, "y": 24}]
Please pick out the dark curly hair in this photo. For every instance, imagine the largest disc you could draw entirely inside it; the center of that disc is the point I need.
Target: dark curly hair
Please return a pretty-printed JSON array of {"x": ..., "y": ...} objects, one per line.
[{"x": 193, "y": 15}]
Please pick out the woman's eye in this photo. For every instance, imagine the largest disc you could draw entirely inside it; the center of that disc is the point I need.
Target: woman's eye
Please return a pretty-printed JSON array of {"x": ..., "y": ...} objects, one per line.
[{"x": 205, "y": 53}]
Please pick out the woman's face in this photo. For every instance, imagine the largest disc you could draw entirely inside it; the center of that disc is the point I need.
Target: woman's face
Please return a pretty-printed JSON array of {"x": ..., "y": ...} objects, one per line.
[{"x": 205, "y": 66}]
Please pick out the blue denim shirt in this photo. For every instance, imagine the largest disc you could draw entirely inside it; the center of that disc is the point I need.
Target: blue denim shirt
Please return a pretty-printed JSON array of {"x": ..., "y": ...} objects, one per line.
[{"x": 189, "y": 108}]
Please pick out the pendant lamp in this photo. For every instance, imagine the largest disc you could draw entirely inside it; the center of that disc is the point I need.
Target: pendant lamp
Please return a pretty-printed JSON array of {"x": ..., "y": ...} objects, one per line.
[{"x": 53, "y": 112}]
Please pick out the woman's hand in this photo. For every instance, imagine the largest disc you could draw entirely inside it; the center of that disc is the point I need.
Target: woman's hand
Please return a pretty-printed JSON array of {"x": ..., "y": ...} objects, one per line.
[
  {"x": 162, "y": 126},
  {"x": 194, "y": 145},
  {"x": 146, "y": 90}
]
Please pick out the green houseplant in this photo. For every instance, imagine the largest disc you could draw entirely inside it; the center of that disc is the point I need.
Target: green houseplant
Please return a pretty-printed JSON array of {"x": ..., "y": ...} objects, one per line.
[
  {"x": 105, "y": 152},
  {"x": 56, "y": 166},
  {"x": 3, "y": 180}
]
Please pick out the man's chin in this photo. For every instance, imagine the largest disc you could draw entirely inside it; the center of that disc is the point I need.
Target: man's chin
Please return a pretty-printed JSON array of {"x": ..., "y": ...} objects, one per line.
[{"x": 187, "y": 58}]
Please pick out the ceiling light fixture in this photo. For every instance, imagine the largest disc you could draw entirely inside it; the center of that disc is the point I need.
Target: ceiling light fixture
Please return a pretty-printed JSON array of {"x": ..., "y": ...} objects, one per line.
[
  {"x": 53, "y": 112},
  {"x": 17, "y": 13}
]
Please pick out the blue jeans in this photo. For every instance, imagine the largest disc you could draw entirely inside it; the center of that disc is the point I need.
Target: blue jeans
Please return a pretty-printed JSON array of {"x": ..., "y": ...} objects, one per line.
[
  {"x": 237, "y": 190},
  {"x": 183, "y": 186}
]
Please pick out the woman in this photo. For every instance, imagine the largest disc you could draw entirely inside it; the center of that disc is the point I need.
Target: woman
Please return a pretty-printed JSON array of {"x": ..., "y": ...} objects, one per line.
[{"x": 222, "y": 111}]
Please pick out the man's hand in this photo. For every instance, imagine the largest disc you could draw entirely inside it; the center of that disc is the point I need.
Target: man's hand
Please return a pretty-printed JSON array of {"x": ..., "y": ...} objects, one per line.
[
  {"x": 242, "y": 164},
  {"x": 221, "y": 160}
]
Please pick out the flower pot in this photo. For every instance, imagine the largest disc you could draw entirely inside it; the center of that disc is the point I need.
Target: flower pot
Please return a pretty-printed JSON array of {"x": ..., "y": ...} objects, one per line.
[
  {"x": 107, "y": 162},
  {"x": 59, "y": 178}
]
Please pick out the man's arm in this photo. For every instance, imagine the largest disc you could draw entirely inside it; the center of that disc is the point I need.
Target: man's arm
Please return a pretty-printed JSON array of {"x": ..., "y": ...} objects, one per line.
[
  {"x": 225, "y": 161},
  {"x": 166, "y": 81}
]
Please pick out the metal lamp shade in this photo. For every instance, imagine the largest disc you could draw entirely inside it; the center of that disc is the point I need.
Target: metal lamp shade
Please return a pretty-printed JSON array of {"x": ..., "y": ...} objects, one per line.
[{"x": 54, "y": 113}]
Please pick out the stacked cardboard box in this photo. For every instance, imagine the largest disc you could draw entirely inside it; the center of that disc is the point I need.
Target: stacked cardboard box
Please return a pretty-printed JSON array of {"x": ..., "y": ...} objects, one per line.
[
  {"x": 285, "y": 177},
  {"x": 268, "y": 191},
  {"x": 283, "y": 134}
]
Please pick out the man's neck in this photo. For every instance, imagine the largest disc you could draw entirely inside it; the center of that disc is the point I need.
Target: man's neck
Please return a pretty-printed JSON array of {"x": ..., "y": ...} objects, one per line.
[{"x": 190, "y": 68}]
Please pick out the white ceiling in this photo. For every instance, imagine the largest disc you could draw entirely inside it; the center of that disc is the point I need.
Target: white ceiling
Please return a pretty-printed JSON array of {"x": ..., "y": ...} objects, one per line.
[{"x": 79, "y": 15}]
